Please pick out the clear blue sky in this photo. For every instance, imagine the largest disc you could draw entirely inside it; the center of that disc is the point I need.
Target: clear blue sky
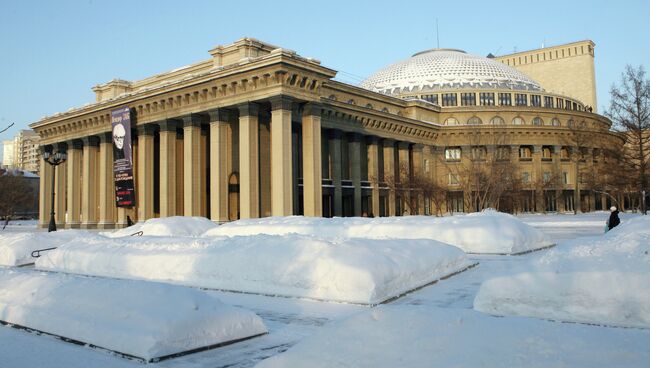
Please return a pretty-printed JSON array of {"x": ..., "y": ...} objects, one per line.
[{"x": 53, "y": 52}]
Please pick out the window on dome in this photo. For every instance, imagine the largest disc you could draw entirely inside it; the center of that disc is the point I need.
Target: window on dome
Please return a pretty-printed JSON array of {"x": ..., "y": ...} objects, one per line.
[
  {"x": 449, "y": 99},
  {"x": 555, "y": 122},
  {"x": 474, "y": 120},
  {"x": 505, "y": 99},
  {"x": 538, "y": 121},
  {"x": 497, "y": 120},
  {"x": 430, "y": 98},
  {"x": 536, "y": 100},
  {"x": 384, "y": 110},
  {"x": 468, "y": 99},
  {"x": 369, "y": 106},
  {"x": 332, "y": 97},
  {"x": 548, "y": 102},
  {"x": 518, "y": 121},
  {"x": 567, "y": 105},
  {"x": 570, "y": 123},
  {"x": 351, "y": 102},
  {"x": 521, "y": 99},
  {"x": 560, "y": 103},
  {"x": 452, "y": 154},
  {"x": 451, "y": 121},
  {"x": 486, "y": 99}
]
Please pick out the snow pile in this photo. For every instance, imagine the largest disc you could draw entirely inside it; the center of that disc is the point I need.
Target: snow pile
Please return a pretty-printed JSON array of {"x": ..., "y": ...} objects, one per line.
[
  {"x": 422, "y": 336},
  {"x": 485, "y": 232},
  {"x": 143, "y": 319},
  {"x": 351, "y": 270},
  {"x": 167, "y": 226},
  {"x": 603, "y": 280},
  {"x": 16, "y": 247}
]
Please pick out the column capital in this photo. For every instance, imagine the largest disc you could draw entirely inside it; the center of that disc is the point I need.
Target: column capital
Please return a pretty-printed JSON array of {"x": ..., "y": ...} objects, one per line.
[
  {"x": 192, "y": 120},
  {"x": 248, "y": 109},
  {"x": 353, "y": 137},
  {"x": 403, "y": 144},
  {"x": 61, "y": 146},
  {"x": 75, "y": 144},
  {"x": 146, "y": 129},
  {"x": 46, "y": 148},
  {"x": 387, "y": 142},
  {"x": 219, "y": 115},
  {"x": 281, "y": 102},
  {"x": 334, "y": 133},
  {"x": 169, "y": 125},
  {"x": 105, "y": 137},
  {"x": 312, "y": 108},
  {"x": 418, "y": 147},
  {"x": 372, "y": 139},
  {"x": 90, "y": 141}
]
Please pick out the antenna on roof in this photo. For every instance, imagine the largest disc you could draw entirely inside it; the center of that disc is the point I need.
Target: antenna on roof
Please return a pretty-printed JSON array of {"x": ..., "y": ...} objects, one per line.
[{"x": 437, "y": 34}]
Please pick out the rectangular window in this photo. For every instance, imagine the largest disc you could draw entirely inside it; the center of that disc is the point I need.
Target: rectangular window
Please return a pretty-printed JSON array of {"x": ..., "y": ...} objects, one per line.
[
  {"x": 505, "y": 99},
  {"x": 565, "y": 177},
  {"x": 486, "y": 99},
  {"x": 426, "y": 166},
  {"x": 547, "y": 177},
  {"x": 548, "y": 102},
  {"x": 525, "y": 177},
  {"x": 536, "y": 100},
  {"x": 449, "y": 99},
  {"x": 503, "y": 153},
  {"x": 560, "y": 103},
  {"x": 521, "y": 99},
  {"x": 479, "y": 153},
  {"x": 525, "y": 152},
  {"x": 468, "y": 99},
  {"x": 452, "y": 154},
  {"x": 430, "y": 98},
  {"x": 453, "y": 179},
  {"x": 567, "y": 105}
]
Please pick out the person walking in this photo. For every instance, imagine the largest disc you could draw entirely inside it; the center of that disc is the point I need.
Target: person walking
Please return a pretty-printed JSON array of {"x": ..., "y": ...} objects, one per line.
[{"x": 613, "y": 220}]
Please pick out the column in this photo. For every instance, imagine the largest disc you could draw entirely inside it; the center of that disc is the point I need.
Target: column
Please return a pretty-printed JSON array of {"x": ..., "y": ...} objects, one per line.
[
  {"x": 192, "y": 183},
  {"x": 168, "y": 173},
  {"x": 73, "y": 219},
  {"x": 281, "y": 160},
  {"x": 404, "y": 175},
  {"x": 335, "y": 161},
  {"x": 219, "y": 158},
  {"x": 59, "y": 189},
  {"x": 107, "y": 205},
  {"x": 373, "y": 172},
  {"x": 559, "y": 193},
  {"x": 418, "y": 175},
  {"x": 538, "y": 179},
  {"x": 354, "y": 141},
  {"x": 389, "y": 172},
  {"x": 312, "y": 162},
  {"x": 249, "y": 180},
  {"x": 45, "y": 191},
  {"x": 144, "y": 179},
  {"x": 89, "y": 180}
]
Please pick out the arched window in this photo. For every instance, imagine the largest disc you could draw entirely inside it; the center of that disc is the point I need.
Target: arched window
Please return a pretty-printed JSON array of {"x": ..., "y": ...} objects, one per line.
[
  {"x": 518, "y": 121},
  {"x": 474, "y": 120},
  {"x": 555, "y": 122},
  {"x": 352, "y": 102},
  {"x": 369, "y": 106},
  {"x": 497, "y": 120},
  {"x": 451, "y": 121},
  {"x": 570, "y": 123},
  {"x": 332, "y": 97},
  {"x": 384, "y": 109},
  {"x": 538, "y": 121}
]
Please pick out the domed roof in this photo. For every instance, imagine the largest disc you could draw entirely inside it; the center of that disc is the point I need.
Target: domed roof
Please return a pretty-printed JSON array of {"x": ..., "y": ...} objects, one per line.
[{"x": 437, "y": 69}]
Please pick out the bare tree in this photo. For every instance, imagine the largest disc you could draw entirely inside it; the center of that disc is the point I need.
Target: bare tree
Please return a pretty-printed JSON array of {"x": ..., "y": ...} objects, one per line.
[
  {"x": 16, "y": 195},
  {"x": 630, "y": 113}
]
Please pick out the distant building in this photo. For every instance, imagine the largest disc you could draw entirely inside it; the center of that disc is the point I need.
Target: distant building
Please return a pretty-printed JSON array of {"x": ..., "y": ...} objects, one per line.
[
  {"x": 8, "y": 154},
  {"x": 22, "y": 152}
]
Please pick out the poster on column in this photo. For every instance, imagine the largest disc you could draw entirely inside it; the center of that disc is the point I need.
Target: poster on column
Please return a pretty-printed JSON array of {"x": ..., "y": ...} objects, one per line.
[{"x": 123, "y": 157}]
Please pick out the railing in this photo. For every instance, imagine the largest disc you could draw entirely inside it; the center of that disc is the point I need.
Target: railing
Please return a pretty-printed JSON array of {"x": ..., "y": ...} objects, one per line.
[{"x": 37, "y": 253}]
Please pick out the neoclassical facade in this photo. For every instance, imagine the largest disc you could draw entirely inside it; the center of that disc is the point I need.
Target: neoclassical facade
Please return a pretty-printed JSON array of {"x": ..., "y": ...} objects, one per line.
[{"x": 258, "y": 130}]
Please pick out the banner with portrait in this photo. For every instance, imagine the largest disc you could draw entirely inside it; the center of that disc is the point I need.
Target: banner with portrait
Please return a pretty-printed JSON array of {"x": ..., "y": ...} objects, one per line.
[{"x": 123, "y": 157}]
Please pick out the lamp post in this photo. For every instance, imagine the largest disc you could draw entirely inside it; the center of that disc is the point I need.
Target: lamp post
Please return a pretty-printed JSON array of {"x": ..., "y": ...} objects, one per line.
[{"x": 54, "y": 159}]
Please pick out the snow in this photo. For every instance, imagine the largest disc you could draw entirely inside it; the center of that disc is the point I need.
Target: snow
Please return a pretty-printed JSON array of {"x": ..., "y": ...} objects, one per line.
[
  {"x": 366, "y": 271},
  {"x": 143, "y": 319},
  {"x": 602, "y": 280},
  {"x": 486, "y": 232},
  {"x": 16, "y": 247},
  {"x": 168, "y": 226},
  {"x": 424, "y": 336}
]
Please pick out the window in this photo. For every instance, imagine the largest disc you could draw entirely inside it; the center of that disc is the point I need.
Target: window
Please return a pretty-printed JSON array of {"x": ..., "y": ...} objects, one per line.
[
  {"x": 474, "y": 120},
  {"x": 521, "y": 99},
  {"x": 560, "y": 103},
  {"x": 505, "y": 99},
  {"x": 369, "y": 106},
  {"x": 555, "y": 122},
  {"x": 503, "y": 153},
  {"x": 486, "y": 99},
  {"x": 449, "y": 99},
  {"x": 565, "y": 177},
  {"x": 548, "y": 102},
  {"x": 538, "y": 121},
  {"x": 452, "y": 154},
  {"x": 536, "y": 100},
  {"x": 453, "y": 179},
  {"x": 426, "y": 166},
  {"x": 570, "y": 123},
  {"x": 518, "y": 121},
  {"x": 567, "y": 105},
  {"x": 451, "y": 121},
  {"x": 564, "y": 153},
  {"x": 546, "y": 153},
  {"x": 468, "y": 99},
  {"x": 525, "y": 177},
  {"x": 497, "y": 120},
  {"x": 525, "y": 152},
  {"x": 479, "y": 153},
  {"x": 430, "y": 98},
  {"x": 547, "y": 177},
  {"x": 351, "y": 102}
]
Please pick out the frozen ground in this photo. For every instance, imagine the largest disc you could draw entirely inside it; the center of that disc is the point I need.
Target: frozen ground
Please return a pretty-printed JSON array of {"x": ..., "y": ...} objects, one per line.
[{"x": 290, "y": 321}]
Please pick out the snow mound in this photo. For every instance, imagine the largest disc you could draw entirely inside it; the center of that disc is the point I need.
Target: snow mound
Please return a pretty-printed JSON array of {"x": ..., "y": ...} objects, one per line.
[
  {"x": 167, "y": 226},
  {"x": 351, "y": 270},
  {"x": 485, "y": 232},
  {"x": 143, "y": 319},
  {"x": 16, "y": 247},
  {"x": 602, "y": 280},
  {"x": 423, "y": 337}
]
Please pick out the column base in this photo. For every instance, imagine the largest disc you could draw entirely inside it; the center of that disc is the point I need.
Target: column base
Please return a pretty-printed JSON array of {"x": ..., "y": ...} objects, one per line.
[
  {"x": 106, "y": 225},
  {"x": 89, "y": 225},
  {"x": 72, "y": 225}
]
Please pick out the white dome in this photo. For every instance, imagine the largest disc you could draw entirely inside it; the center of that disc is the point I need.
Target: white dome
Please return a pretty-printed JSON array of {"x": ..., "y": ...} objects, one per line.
[{"x": 438, "y": 69}]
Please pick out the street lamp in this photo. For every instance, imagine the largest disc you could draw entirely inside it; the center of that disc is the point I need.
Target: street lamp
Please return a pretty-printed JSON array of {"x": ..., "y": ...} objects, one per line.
[{"x": 54, "y": 159}]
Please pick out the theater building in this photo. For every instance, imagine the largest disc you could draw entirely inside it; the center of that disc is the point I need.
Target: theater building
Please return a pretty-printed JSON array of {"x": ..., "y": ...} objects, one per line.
[{"x": 257, "y": 130}]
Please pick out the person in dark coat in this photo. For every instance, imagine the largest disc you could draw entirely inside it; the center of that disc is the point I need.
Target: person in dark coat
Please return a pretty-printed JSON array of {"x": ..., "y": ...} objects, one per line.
[{"x": 613, "y": 218}]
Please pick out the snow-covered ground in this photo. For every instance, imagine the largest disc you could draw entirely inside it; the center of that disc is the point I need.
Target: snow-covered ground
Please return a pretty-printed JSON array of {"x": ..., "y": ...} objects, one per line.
[
  {"x": 293, "y": 322},
  {"x": 488, "y": 232},
  {"x": 365, "y": 271},
  {"x": 16, "y": 246}
]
